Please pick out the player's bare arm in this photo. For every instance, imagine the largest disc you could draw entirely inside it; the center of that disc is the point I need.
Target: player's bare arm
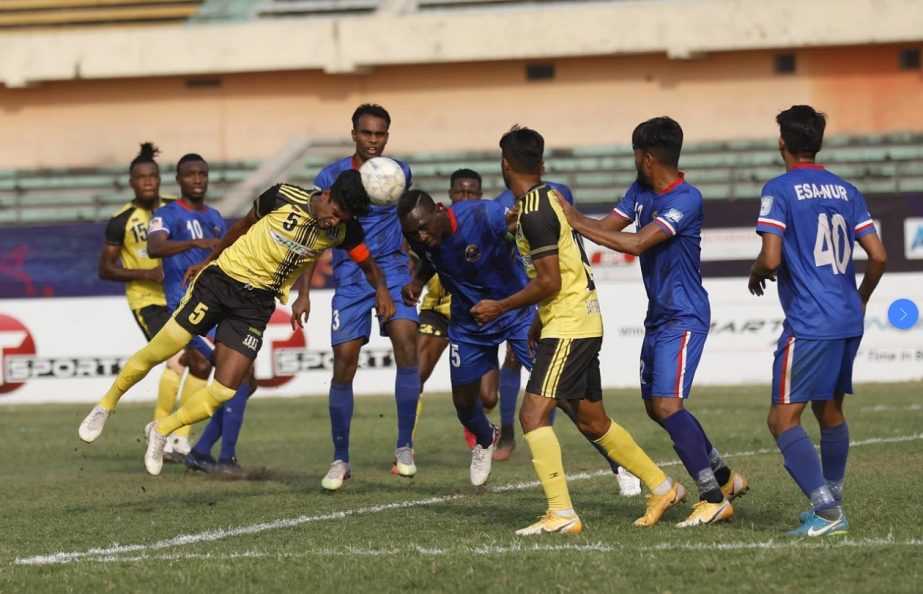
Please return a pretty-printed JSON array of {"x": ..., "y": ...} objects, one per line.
[
  {"x": 878, "y": 261},
  {"x": 766, "y": 264},
  {"x": 236, "y": 231},
  {"x": 158, "y": 246},
  {"x": 583, "y": 224},
  {"x": 301, "y": 307},
  {"x": 384, "y": 305},
  {"x": 546, "y": 283},
  {"x": 110, "y": 268}
]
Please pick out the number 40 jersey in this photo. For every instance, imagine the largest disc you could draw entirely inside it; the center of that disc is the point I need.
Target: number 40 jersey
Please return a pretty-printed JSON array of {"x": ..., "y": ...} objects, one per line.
[{"x": 818, "y": 216}]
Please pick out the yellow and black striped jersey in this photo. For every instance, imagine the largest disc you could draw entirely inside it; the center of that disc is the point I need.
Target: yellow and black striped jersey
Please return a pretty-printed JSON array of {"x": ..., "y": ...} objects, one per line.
[
  {"x": 128, "y": 230},
  {"x": 543, "y": 230},
  {"x": 437, "y": 298},
  {"x": 274, "y": 252}
]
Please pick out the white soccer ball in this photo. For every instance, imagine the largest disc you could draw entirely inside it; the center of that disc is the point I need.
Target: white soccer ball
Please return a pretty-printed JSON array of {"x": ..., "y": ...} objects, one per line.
[{"x": 383, "y": 179}]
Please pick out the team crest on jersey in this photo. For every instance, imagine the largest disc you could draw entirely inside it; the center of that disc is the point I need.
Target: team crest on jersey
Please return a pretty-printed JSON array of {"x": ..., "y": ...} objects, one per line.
[
  {"x": 765, "y": 205},
  {"x": 472, "y": 253},
  {"x": 156, "y": 224},
  {"x": 673, "y": 215}
]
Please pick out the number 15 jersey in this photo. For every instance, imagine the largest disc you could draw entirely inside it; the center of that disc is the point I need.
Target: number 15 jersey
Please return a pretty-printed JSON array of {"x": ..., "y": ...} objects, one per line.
[{"x": 818, "y": 216}]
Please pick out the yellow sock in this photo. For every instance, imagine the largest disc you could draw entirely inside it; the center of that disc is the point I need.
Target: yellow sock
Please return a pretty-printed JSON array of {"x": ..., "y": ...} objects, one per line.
[
  {"x": 546, "y": 458},
  {"x": 166, "y": 393},
  {"x": 201, "y": 406},
  {"x": 170, "y": 340},
  {"x": 191, "y": 386},
  {"x": 621, "y": 447},
  {"x": 413, "y": 434}
]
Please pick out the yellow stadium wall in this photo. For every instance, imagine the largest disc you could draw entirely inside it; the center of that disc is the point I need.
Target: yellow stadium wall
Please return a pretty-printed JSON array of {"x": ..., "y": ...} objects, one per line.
[{"x": 591, "y": 101}]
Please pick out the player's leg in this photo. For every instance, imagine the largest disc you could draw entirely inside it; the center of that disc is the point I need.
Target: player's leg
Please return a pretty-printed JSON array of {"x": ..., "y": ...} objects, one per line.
[
  {"x": 197, "y": 357},
  {"x": 232, "y": 419},
  {"x": 151, "y": 319},
  {"x": 675, "y": 357},
  {"x": 510, "y": 382},
  {"x": 170, "y": 340},
  {"x": 534, "y": 416},
  {"x": 402, "y": 330},
  {"x": 469, "y": 363},
  {"x": 802, "y": 369},
  {"x": 432, "y": 339}
]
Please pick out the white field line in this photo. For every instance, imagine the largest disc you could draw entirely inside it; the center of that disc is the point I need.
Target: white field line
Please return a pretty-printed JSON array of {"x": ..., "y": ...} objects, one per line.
[
  {"x": 221, "y": 534},
  {"x": 516, "y": 548},
  {"x": 890, "y": 408}
]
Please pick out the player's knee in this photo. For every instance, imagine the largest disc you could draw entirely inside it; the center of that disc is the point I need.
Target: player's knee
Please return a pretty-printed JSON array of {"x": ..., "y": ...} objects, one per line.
[
  {"x": 199, "y": 366},
  {"x": 344, "y": 369}
]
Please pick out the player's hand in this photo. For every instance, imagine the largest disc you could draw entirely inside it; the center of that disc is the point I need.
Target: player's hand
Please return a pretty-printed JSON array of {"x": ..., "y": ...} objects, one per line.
[
  {"x": 410, "y": 293},
  {"x": 486, "y": 311},
  {"x": 192, "y": 272},
  {"x": 757, "y": 282},
  {"x": 155, "y": 275},
  {"x": 566, "y": 206},
  {"x": 208, "y": 243},
  {"x": 301, "y": 309},
  {"x": 512, "y": 218},
  {"x": 535, "y": 333},
  {"x": 384, "y": 305}
]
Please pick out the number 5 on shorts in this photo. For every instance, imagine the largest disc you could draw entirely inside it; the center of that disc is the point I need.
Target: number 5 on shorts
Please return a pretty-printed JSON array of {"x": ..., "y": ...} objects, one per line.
[
  {"x": 198, "y": 314},
  {"x": 454, "y": 355}
]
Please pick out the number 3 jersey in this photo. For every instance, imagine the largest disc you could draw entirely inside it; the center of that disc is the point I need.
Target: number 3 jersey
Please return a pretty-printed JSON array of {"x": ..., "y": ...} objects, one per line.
[
  {"x": 274, "y": 252},
  {"x": 181, "y": 222},
  {"x": 818, "y": 216}
]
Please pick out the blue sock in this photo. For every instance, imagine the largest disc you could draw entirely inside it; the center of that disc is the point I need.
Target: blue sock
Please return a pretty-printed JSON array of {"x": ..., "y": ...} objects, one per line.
[
  {"x": 210, "y": 435},
  {"x": 233, "y": 419},
  {"x": 834, "y": 449},
  {"x": 473, "y": 418},
  {"x": 689, "y": 442},
  {"x": 708, "y": 446},
  {"x": 341, "y": 414},
  {"x": 406, "y": 395},
  {"x": 510, "y": 380},
  {"x": 802, "y": 463}
]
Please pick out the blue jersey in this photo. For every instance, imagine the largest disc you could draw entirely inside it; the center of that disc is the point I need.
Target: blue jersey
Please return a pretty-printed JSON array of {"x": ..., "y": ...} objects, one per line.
[
  {"x": 818, "y": 216},
  {"x": 671, "y": 270},
  {"x": 382, "y": 232},
  {"x": 477, "y": 261},
  {"x": 507, "y": 199},
  {"x": 182, "y": 223}
]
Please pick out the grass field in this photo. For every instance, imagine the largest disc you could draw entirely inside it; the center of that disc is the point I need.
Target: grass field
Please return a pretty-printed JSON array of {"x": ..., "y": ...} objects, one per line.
[{"x": 86, "y": 518}]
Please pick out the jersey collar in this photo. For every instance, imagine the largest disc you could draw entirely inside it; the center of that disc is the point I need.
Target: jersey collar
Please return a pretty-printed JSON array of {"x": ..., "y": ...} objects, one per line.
[
  {"x": 671, "y": 187},
  {"x": 185, "y": 206},
  {"x": 807, "y": 166},
  {"x": 452, "y": 220},
  {"x": 354, "y": 162}
]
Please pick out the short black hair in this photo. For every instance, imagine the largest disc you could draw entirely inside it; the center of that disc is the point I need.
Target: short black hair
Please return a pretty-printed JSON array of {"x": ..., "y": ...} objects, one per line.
[
  {"x": 802, "y": 129},
  {"x": 661, "y": 137},
  {"x": 413, "y": 199},
  {"x": 524, "y": 149},
  {"x": 372, "y": 109},
  {"x": 145, "y": 155},
  {"x": 464, "y": 174},
  {"x": 189, "y": 157},
  {"x": 349, "y": 193}
]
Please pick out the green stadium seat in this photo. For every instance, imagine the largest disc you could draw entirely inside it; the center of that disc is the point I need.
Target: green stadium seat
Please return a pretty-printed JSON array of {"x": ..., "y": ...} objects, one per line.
[{"x": 603, "y": 151}]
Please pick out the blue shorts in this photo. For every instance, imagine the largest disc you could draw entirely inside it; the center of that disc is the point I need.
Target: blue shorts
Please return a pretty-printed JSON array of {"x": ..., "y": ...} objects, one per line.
[
  {"x": 352, "y": 306},
  {"x": 805, "y": 370},
  {"x": 469, "y": 362},
  {"x": 669, "y": 359}
]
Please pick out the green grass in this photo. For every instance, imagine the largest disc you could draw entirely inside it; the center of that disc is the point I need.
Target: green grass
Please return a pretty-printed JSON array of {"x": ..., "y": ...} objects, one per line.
[{"x": 59, "y": 495}]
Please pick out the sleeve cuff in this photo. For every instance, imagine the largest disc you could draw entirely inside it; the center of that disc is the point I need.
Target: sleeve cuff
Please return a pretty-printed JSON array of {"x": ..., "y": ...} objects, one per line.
[
  {"x": 666, "y": 226},
  {"x": 359, "y": 253}
]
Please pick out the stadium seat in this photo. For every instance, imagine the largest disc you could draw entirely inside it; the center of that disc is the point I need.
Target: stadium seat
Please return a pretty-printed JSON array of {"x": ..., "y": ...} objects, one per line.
[{"x": 73, "y": 13}]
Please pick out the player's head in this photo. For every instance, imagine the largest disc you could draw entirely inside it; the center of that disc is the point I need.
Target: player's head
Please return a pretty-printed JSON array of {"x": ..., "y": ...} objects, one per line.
[
  {"x": 422, "y": 220},
  {"x": 523, "y": 153},
  {"x": 192, "y": 177},
  {"x": 465, "y": 184},
  {"x": 345, "y": 200},
  {"x": 801, "y": 131},
  {"x": 657, "y": 144},
  {"x": 370, "y": 130},
  {"x": 144, "y": 174}
]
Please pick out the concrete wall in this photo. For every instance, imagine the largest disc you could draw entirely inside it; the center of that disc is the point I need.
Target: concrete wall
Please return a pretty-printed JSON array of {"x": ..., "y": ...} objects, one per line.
[{"x": 591, "y": 101}]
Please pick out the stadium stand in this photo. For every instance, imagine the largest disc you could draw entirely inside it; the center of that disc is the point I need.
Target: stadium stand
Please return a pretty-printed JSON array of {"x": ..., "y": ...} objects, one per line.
[
  {"x": 880, "y": 164},
  {"x": 340, "y": 8},
  {"x": 22, "y": 14}
]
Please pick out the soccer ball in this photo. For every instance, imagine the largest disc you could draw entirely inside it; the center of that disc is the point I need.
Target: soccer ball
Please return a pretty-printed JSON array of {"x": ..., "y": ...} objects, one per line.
[{"x": 383, "y": 179}]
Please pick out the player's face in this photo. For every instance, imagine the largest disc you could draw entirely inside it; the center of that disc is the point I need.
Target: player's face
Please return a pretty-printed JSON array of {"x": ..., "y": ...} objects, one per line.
[
  {"x": 145, "y": 181},
  {"x": 192, "y": 178},
  {"x": 465, "y": 189},
  {"x": 328, "y": 213},
  {"x": 504, "y": 167},
  {"x": 370, "y": 136},
  {"x": 643, "y": 161},
  {"x": 424, "y": 227}
]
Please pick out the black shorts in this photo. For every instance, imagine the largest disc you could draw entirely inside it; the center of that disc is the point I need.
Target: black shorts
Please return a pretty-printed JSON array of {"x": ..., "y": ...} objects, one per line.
[
  {"x": 151, "y": 319},
  {"x": 433, "y": 323},
  {"x": 240, "y": 311},
  {"x": 567, "y": 369}
]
